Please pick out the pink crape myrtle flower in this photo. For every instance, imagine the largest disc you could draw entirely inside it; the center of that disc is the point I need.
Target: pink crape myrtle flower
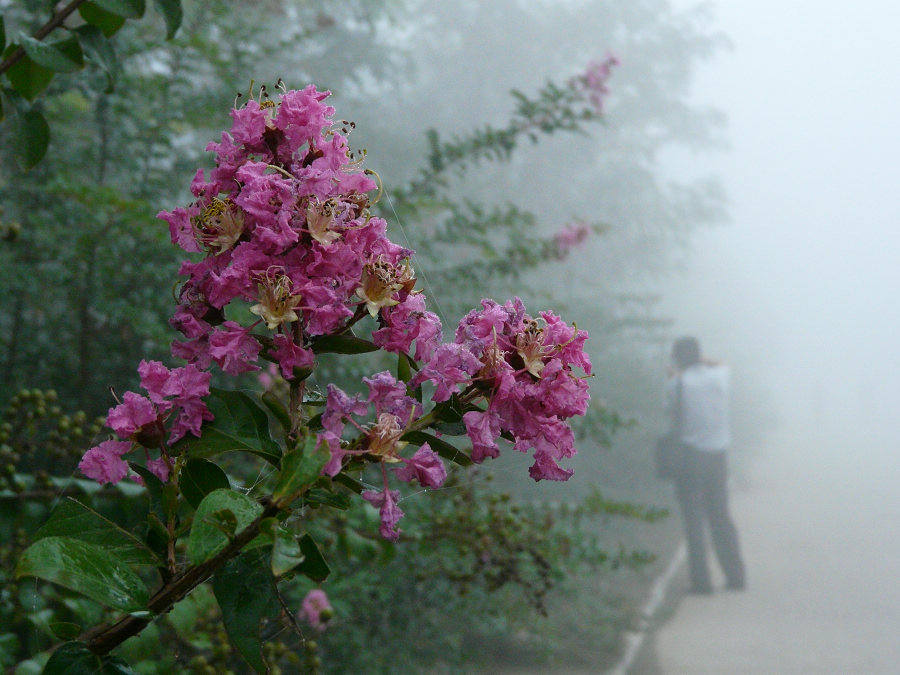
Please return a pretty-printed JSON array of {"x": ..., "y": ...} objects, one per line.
[
  {"x": 388, "y": 395},
  {"x": 234, "y": 349},
  {"x": 104, "y": 462},
  {"x": 174, "y": 397},
  {"x": 290, "y": 356},
  {"x": 425, "y": 466},
  {"x": 386, "y": 502},
  {"x": 338, "y": 407},
  {"x": 450, "y": 365},
  {"x": 316, "y": 609},
  {"x": 527, "y": 365}
]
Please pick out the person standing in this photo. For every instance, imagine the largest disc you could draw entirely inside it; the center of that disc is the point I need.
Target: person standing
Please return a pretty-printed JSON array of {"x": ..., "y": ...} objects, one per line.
[{"x": 698, "y": 392}]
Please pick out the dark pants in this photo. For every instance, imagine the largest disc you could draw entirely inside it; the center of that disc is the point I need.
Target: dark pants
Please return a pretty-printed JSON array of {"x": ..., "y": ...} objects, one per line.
[{"x": 703, "y": 498}]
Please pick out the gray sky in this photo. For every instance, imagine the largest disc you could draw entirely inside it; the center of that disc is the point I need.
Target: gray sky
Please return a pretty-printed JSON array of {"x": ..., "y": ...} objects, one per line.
[{"x": 804, "y": 284}]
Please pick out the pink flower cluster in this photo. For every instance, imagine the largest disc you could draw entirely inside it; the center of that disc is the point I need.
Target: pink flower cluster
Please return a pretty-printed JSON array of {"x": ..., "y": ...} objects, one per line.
[
  {"x": 394, "y": 412},
  {"x": 284, "y": 222},
  {"x": 526, "y": 375},
  {"x": 282, "y": 227},
  {"x": 593, "y": 80},
  {"x": 174, "y": 398}
]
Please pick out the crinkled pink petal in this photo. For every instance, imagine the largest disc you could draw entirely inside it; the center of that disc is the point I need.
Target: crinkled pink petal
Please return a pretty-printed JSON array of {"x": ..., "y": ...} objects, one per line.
[
  {"x": 339, "y": 405},
  {"x": 386, "y": 503},
  {"x": 234, "y": 349},
  {"x": 104, "y": 462},
  {"x": 159, "y": 468},
  {"x": 131, "y": 414},
  {"x": 290, "y": 355},
  {"x": 389, "y": 396},
  {"x": 425, "y": 466},
  {"x": 483, "y": 429}
]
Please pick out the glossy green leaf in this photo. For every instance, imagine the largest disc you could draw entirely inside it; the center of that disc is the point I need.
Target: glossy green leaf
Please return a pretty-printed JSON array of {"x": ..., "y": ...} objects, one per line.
[
  {"x": 313, "y": 565},
  {"x": 64, "y": 56},
  {"x": 27, "y": 77},
  {"x": 105, "y": 21},
  {"x": 172, "y": 14},
  {"x": 240, "y": 424},
  {"x": 130, "y": 9},
  {"x": 342, "y": 344},
  {"x": 299, "y": 469},
  {"x": 74, "y": 658},
  {"x": 198, "y": 478},
  {"x": 245, "y": 591},
  {"x": 73, "y": 519},
  {"x": 441, "y": 447},
  {"x": 86, "y": 569},
  {"x": 99, "y": 51},
  {"x": 31, "y": 138},
  {"x": 207, "y": 537}
]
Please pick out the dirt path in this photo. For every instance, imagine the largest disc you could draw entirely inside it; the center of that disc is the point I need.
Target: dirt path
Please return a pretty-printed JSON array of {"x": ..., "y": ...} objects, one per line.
[{"x": 819, "y": 519}]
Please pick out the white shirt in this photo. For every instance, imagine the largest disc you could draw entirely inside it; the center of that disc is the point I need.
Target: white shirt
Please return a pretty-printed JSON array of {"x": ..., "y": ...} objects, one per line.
[{"x": 705, "y": 420}]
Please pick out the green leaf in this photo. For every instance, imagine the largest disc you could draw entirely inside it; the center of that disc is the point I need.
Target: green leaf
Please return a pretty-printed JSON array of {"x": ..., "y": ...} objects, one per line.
[
  {"x": 277, "y": 408},
  {"x": 450, "y": 417},
  {"x": 322, "y": 497},
  {"x": 27, "y": 77},
  {"x": 349, "y": 482},
  {"x": 73, "y": 519},
  {"x": 342, "y": 344},
  {"x": 86, "y": 569},
  {"x": 404, "y": 367},
  {"x": 64, "y": 56},
  {"x": 299, "y": 469},
  {"x": 74, "y": 658},
  {"x": 286, "y": 553},
  {"x": 198, "y": 478},
  {"x": 65, "y": 630},
  {"x": 207, "y": 538},
  {"x": 105, "y": 21},
  {"x": 152, "y": 484},
  {"x": 100, "y": 52},
  {"x": 443, "y": 448},
  {"x": 2, "y": 35},
  {"x": 245, "y": 591},
  {"x": 313, "y": 565},
  {"x": 172, "y": 14},
  {"x": 31, "y": 138},
  {"x": 130, "y": 9},
  {"x": 239, "y": 424}
]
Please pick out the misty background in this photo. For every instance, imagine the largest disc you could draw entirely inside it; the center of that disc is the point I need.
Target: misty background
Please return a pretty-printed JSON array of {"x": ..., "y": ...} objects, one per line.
[{"x": 799, "y": 292}]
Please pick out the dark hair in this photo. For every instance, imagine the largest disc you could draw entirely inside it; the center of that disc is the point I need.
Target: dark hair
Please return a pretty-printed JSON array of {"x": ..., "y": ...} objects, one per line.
[{"x": 686, "y": 352}]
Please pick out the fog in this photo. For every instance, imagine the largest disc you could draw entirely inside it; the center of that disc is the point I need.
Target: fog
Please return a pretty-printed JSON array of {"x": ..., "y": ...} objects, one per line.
[
  {"x": 799, "y": 295},
  {"x": 800, "y": 290}
]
